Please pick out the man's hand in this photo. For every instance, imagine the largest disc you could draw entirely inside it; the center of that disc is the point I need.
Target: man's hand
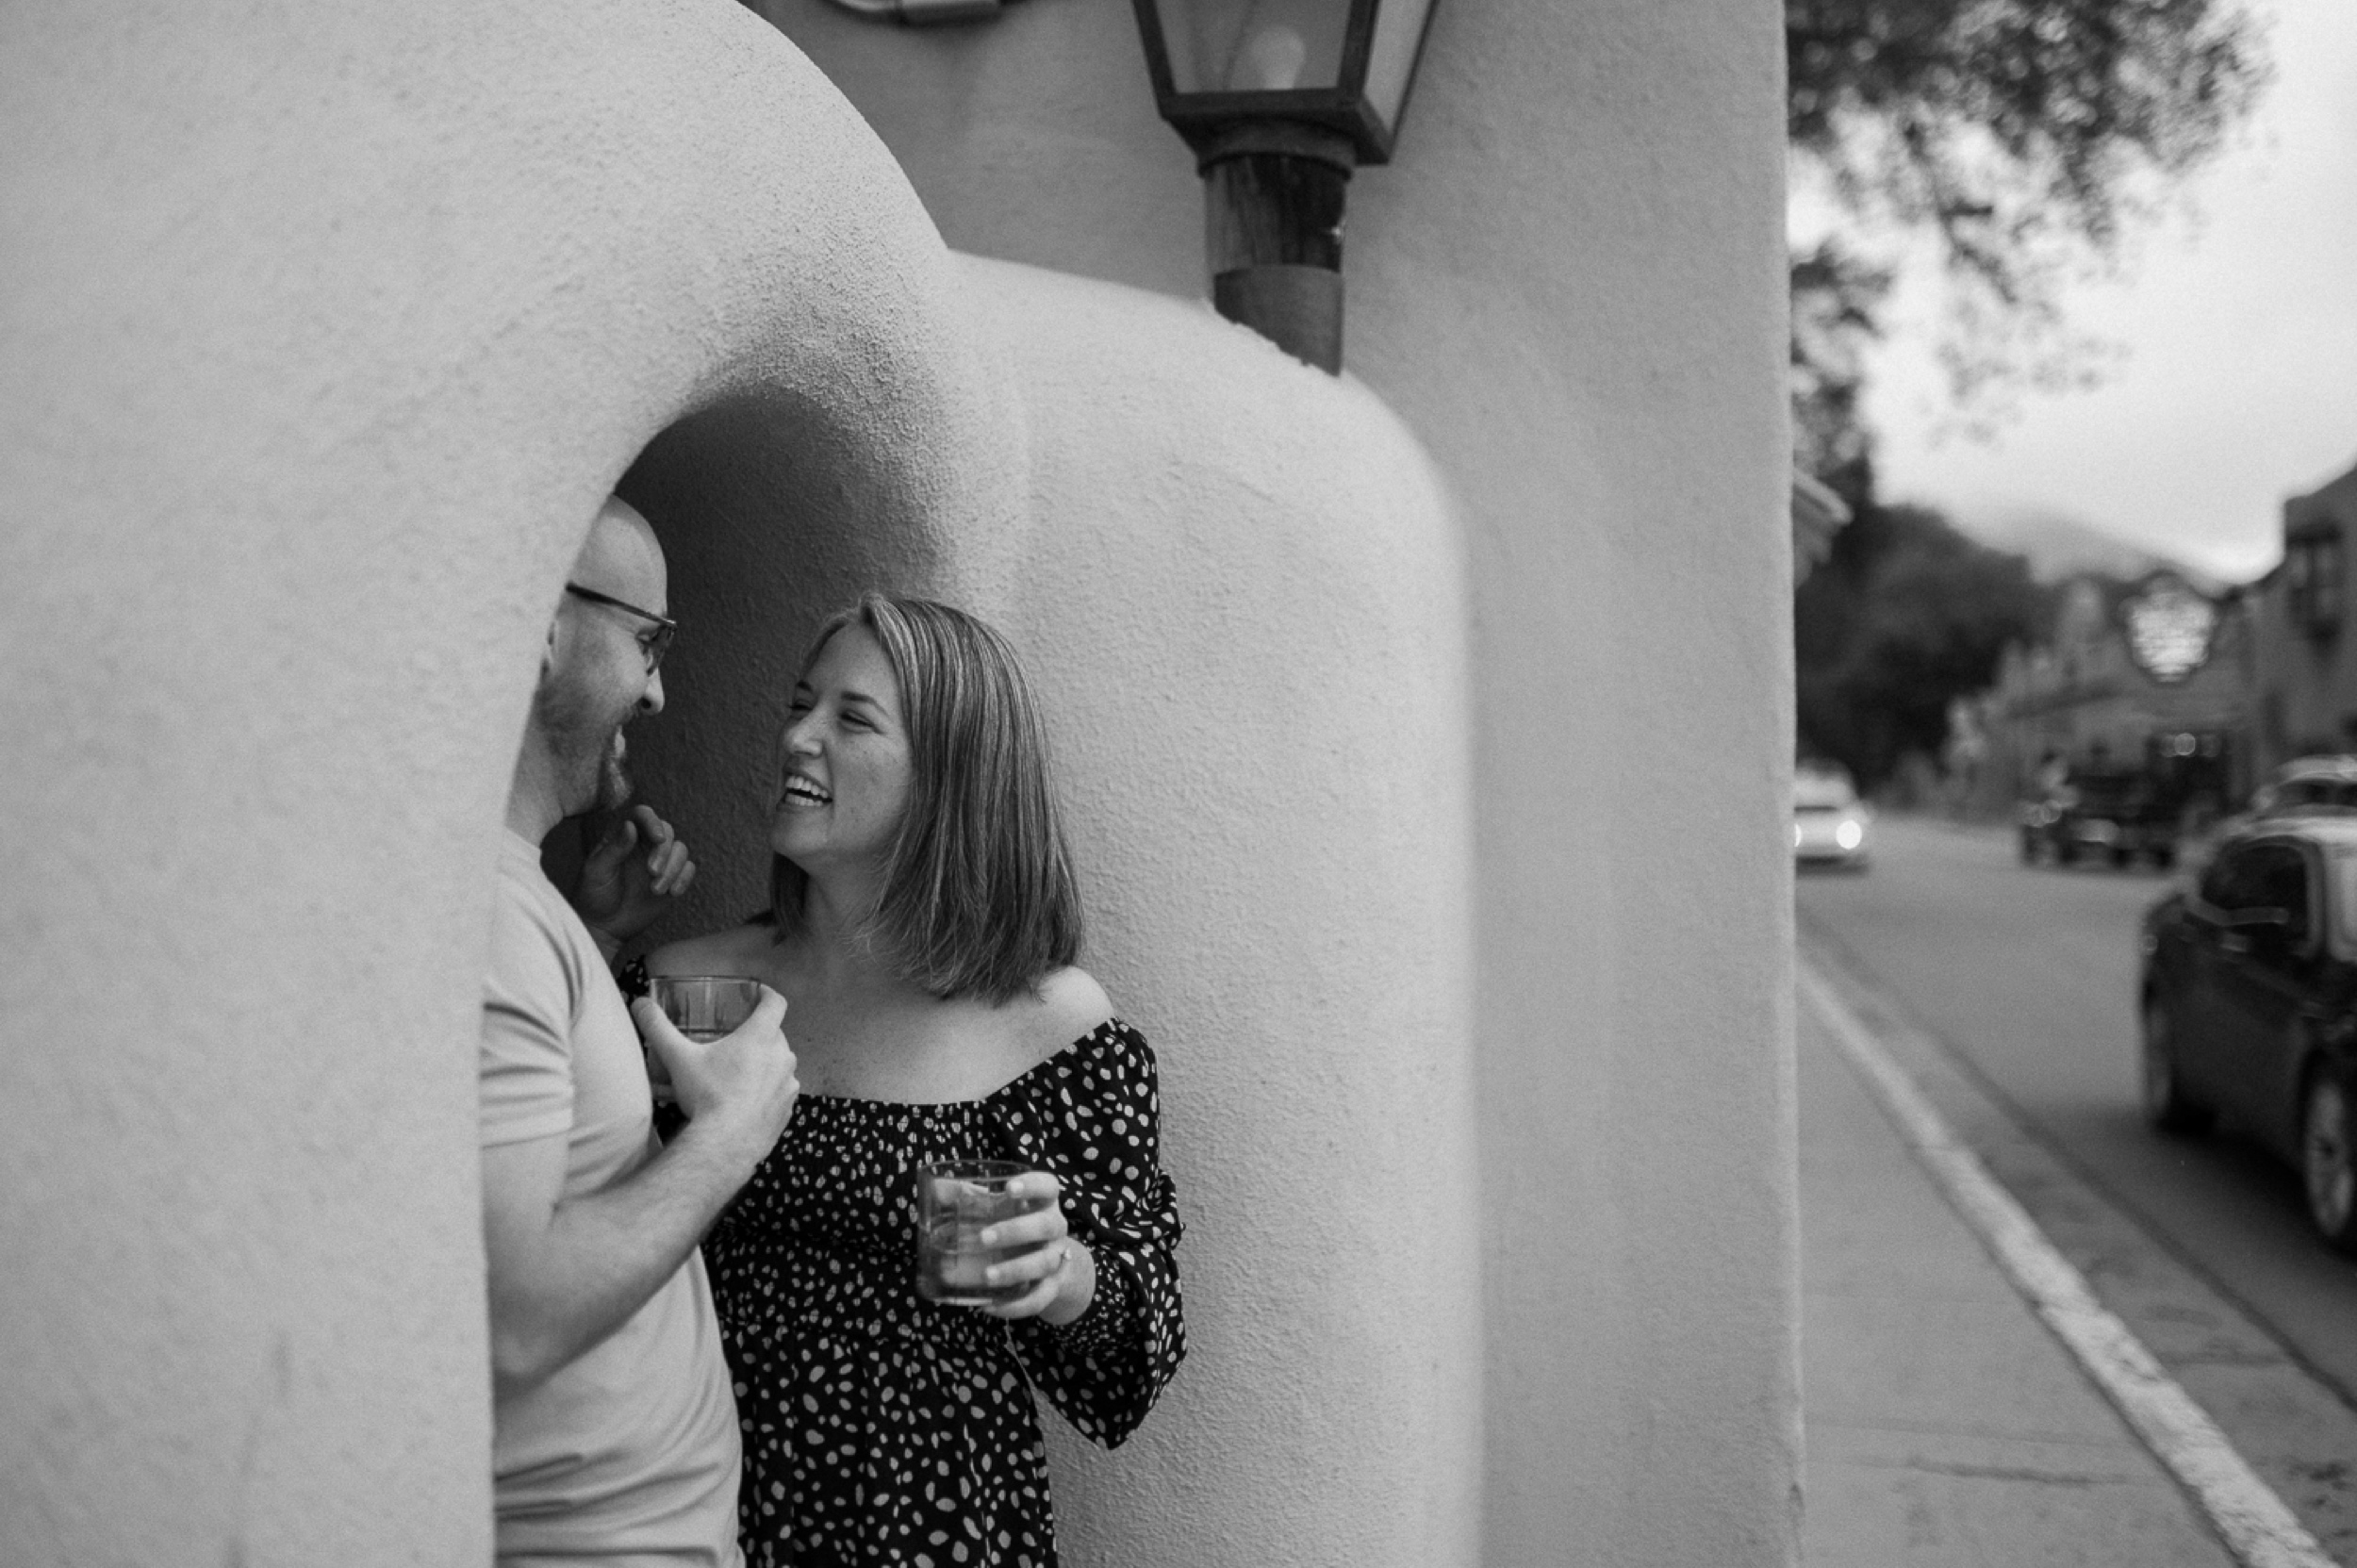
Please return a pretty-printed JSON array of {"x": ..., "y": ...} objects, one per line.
[
  {"x": 739, "y": 1088},
  {"x": 564, "y": 1273},
  {"x": 631, "y": 877}
]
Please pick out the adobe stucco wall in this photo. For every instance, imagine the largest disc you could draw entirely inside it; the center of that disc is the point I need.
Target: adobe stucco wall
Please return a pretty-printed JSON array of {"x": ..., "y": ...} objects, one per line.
[
  {"x": 1570, "y": 286},
  {"x": 1239, "y": 591},
  {"x": 1255, "y": 608},
  {"x": 324, "y": 345}
]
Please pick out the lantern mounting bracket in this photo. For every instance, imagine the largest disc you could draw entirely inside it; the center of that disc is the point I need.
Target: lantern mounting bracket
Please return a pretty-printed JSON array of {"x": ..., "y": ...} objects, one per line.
[{"x": 1289, "y": 137}]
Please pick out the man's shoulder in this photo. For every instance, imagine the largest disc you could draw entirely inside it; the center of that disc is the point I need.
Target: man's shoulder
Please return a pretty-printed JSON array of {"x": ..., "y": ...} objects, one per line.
[
  {"x": 535, "y": 928},
  {"x": 519, "y": 865}
]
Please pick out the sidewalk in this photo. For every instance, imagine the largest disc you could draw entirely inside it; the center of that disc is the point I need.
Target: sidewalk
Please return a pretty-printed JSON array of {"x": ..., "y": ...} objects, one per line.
[{"x": 1945, "y": 1425}]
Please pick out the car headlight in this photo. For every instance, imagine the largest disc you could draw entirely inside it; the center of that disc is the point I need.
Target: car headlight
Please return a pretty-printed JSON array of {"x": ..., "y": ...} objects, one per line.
[{"x": 1850, "y": 834}]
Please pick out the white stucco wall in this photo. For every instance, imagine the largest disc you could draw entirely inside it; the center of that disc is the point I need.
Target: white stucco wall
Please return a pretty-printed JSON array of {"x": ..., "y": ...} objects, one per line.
[
  {"x": 324, "y": 354},
  {"x": 323, "y": 343},
  {"x": 1569, "y": 283},
  {"x": 1236, "y": 585},
  {"x": 1246, "y": 598}
]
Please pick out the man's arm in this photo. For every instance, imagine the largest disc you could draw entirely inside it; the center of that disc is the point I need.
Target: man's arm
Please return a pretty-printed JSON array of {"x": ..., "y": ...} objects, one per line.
[{"x": 565, "y": 1274}]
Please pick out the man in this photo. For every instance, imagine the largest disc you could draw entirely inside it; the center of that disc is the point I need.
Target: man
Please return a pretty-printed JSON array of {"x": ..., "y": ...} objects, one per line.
[{"x": 615, "y": 1432}]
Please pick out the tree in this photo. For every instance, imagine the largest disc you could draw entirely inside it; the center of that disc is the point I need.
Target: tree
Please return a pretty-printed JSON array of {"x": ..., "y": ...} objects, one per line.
[
  {"x": 1906, "y": 615},
  {"x": 2027, "y": 138}
]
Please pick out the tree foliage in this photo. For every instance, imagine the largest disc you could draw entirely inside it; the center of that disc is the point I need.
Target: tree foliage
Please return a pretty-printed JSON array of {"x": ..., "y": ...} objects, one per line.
[
  {"x": 2027, "y": 138},
  {"x": 1905, "y": 615}
]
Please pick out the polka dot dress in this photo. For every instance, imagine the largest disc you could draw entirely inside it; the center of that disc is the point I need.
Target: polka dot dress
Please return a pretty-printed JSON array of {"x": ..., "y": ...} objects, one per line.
[{"x": 882, "y": 1429}]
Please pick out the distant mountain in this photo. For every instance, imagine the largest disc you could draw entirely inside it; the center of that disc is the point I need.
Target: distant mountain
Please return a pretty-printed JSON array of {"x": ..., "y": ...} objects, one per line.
[{"x": 2059, "y": 546}]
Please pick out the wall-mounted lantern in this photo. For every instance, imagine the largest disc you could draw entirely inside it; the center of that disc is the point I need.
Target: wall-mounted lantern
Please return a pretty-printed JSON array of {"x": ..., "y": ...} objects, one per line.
[{"x": 1281, "y": 100}]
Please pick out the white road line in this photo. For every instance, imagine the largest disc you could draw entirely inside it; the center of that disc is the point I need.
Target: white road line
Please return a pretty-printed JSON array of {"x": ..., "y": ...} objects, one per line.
[{"x": 2257, "y": 1528}]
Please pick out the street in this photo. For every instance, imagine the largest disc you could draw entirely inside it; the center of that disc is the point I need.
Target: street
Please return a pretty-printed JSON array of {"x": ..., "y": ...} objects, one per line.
[{"x": 2019, "y": 984}]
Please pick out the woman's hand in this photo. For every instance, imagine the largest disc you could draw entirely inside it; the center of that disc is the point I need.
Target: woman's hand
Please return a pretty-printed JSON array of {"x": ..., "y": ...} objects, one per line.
[{"x": 1056, "y": 1266}]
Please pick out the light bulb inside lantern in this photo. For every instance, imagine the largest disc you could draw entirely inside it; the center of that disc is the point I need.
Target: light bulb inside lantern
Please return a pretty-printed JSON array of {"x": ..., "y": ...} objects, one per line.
[{"x": 1270, "y": 61}]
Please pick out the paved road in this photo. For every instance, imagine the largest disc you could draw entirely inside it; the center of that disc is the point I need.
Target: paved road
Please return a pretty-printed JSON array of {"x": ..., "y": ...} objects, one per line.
[{"x": 2027, "y": 975}]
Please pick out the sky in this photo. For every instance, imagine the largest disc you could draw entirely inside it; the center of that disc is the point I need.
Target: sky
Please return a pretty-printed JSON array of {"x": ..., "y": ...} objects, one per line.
[{"x": 2234, "y": 383}]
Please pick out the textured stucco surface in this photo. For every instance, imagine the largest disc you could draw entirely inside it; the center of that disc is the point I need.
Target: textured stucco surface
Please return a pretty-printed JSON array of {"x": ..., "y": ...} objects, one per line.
[
  {"x": 324, "y": 354},
  {"x": 1569, "y": 285},
  {"x": 1238, "y": 588},
  {"x": 323, "y": 343},
  {"x": 1246, "y": 596}
]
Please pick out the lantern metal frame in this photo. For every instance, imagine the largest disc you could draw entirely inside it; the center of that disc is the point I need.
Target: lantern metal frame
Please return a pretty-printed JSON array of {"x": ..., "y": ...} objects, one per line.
[
  {"x": 1275, "y": 165},
  {"x": 1205, "y": 117}
]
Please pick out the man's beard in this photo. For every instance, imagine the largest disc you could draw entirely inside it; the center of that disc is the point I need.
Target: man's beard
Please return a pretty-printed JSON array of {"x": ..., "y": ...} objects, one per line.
[
  {"x": 588, "y": 749},
  {"x": 612, "y": 787}
]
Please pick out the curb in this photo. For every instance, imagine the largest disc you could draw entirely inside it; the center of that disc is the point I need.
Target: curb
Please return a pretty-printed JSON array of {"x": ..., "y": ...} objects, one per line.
[{"x": 2255, "y": 1522}]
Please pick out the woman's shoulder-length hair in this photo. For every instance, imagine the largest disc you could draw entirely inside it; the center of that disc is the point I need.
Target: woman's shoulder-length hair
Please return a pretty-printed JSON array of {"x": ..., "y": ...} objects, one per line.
[{"x": 978, "y": 897}]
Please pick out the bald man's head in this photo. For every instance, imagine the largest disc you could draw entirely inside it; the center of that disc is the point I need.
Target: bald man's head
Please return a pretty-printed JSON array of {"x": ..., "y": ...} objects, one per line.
[{"x": 621, "y": 548}]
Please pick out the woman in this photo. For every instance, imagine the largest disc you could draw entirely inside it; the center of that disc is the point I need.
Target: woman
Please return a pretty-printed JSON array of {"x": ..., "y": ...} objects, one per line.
[{"x": 923, "y": 926}]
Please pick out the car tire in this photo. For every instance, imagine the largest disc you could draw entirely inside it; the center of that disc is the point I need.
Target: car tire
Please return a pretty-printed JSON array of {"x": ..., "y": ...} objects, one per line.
[
  {"x": 2065, "y": 852},
  {"x": 2163, "y": 858},
  {"x": 2166, "y": 1105},
  {"x": 2328, "y": 1155},
  {"x": 2029, "y": 847},
  {"x": 2121, "y": 857}
]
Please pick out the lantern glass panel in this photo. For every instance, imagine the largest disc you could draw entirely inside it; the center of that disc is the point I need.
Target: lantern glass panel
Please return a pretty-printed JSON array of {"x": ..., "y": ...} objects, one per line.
[
  {"x": 1391, "y": 56},
  {"x": 1257, "y": 45}
]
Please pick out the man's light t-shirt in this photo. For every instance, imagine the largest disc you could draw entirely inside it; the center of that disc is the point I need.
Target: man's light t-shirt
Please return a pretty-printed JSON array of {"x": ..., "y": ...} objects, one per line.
[{"x": 628, "y": 1457}]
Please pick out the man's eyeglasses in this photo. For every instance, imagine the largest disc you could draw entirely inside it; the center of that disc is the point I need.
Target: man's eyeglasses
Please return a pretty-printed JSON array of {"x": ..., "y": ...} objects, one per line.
[{"x": 654, "y": 642}]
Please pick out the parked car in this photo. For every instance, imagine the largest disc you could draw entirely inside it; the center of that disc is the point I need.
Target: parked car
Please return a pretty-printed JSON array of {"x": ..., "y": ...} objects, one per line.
[
  {"x": 2249, "y": 1004},
  {"x": 2114, "y": 817},
  {"x": 1829, "y": 822},
  {"x": 2302, "y": 786},
  {"x": 2308, "y": 784}
]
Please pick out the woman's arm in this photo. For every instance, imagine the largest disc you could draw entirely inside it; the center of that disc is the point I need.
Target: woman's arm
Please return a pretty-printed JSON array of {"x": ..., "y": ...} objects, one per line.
[{"x": 1097, "y": 1127}]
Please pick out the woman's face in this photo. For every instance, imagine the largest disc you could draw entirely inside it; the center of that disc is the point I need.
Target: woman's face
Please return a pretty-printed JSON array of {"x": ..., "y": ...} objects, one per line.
[{"x": 845, "y": 771}]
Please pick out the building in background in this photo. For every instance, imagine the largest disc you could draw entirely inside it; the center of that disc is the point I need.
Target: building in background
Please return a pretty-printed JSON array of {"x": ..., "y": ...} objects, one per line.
[
  {"x": 2306, "y": 653},
  {"x": 2154, "y": 677}
]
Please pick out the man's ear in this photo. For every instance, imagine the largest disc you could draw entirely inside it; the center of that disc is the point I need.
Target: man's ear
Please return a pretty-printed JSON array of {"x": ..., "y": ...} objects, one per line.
[{"x": 547, "y": 653}]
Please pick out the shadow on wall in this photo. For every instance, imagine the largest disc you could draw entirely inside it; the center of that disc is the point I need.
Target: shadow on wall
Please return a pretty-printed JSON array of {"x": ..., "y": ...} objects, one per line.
[{"x": 774, "y": 510}]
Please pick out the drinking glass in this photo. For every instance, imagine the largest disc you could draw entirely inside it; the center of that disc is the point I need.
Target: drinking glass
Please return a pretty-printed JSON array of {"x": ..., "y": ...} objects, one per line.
[
  {"x": 956, "y": 1200},
  {"x": 704, "y": 1007}
]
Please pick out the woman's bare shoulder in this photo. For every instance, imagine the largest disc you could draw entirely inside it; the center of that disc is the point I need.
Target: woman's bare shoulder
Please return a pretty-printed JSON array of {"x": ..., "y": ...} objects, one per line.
[
  {"x": 714, "y": 952},
  {"x": 1069, "y": 1004}
]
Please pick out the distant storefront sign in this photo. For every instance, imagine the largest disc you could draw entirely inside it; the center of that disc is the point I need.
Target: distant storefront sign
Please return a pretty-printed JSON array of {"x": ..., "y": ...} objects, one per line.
[{"x": 2170, "y": 625}]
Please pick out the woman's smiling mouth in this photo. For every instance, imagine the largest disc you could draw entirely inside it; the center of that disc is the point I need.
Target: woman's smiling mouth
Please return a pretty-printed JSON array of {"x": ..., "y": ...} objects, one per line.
[{"x": 803, "y": 790}]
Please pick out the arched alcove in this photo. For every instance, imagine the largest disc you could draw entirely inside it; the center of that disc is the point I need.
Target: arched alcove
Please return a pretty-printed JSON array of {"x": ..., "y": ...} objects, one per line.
[
  {"x": 774, "y": 510},
  {"x": 324, "y": 355}
]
